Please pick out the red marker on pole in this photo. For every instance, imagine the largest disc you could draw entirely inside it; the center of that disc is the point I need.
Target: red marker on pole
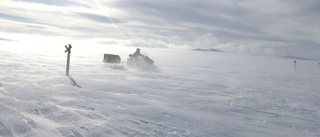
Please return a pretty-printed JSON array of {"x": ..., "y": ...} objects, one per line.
[{"x": 68, "y": 49}]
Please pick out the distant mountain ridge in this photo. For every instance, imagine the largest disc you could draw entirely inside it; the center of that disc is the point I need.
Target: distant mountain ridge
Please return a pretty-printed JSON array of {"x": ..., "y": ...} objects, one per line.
[
  {"x": 298, "y": 58},
  {"x": 209, "y": 50},
  {"x": 4, "y": 39}
]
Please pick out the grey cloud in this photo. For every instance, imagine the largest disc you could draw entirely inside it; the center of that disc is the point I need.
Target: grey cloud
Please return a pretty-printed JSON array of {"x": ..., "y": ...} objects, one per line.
[
  {"x": 100, "y": 18},
  {"x": 37, "y": 26},
  {"x": 18, "y": 18},
  {"x": 187, "y": 13},
  {"x": 54, "y": 2},
  {"x": 30, "y": 30},
  {"x": 34, "y": 28},
  {"x": 228, "y": 21}
]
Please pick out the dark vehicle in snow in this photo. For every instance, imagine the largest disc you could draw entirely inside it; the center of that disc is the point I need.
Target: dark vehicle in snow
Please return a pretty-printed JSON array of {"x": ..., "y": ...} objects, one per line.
[
  {"x": 140, "y": 61},
  {"x": 110, "y": 58}
]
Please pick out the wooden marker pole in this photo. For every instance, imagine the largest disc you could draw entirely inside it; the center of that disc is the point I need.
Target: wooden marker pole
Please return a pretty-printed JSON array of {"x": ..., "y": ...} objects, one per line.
[{"x": 68, "y": 49}]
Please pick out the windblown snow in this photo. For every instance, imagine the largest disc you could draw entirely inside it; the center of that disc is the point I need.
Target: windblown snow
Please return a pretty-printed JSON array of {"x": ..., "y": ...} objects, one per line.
[{"x": 188, "y": 93}]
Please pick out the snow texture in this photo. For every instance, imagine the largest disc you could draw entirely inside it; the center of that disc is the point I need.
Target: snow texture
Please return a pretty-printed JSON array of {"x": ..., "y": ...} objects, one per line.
[{"x": 186, "y": 93}]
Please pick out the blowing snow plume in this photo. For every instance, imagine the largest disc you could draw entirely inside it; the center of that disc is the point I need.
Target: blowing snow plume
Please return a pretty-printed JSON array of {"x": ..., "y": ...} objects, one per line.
[{"x": 209, "y": 42}]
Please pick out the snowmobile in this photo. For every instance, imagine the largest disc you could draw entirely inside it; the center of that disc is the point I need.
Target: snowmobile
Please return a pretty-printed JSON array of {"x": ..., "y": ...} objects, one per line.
[{"x": 140, "y": 61}]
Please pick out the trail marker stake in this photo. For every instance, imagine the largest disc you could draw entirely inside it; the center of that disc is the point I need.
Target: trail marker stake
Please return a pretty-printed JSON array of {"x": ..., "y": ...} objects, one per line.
[{"x": 68, "y": 49}]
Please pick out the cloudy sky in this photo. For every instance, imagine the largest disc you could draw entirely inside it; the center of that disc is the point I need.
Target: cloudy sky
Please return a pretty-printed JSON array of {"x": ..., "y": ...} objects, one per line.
[{"x": 269, "y": 27}]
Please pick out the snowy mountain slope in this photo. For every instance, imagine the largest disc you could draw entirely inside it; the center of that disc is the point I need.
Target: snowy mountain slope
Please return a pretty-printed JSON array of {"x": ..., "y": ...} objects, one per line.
[{"x": 189, "y": 93}]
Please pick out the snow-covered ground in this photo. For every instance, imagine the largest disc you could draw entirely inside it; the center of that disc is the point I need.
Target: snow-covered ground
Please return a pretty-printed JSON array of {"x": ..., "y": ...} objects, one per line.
[{"x": 188, "y": 93}]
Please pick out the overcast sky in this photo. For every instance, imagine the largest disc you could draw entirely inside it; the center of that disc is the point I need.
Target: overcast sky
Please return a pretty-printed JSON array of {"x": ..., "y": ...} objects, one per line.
[{"x": 269, "y": 27}]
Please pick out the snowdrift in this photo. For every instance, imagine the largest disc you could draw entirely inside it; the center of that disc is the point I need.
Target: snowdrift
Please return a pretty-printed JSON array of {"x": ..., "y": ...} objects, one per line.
[{"x": 204, "y": 94}]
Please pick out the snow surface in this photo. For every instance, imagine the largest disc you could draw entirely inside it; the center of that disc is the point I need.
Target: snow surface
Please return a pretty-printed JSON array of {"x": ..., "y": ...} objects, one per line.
[{"x": 188, "y": 93}]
